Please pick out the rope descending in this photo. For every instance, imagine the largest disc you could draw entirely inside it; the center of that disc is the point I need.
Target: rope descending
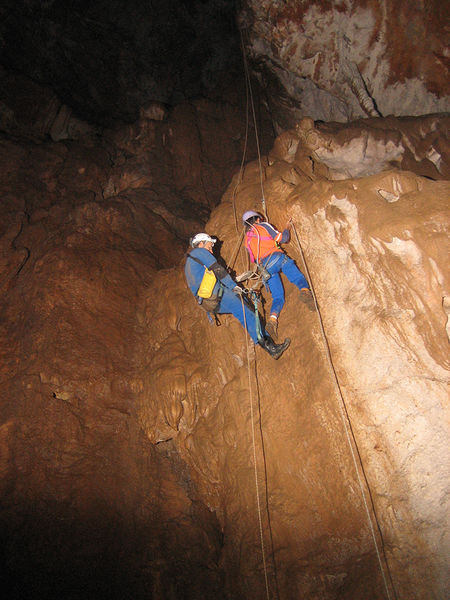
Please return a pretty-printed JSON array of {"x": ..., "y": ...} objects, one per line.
[
  {"x": 253, "y": 283},
  {"x": 354, "y": 450}
]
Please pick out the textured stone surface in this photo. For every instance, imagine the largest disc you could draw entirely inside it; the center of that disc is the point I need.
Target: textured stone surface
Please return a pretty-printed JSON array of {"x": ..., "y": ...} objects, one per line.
[
  {"x": 380, "y": 272},
  {"x": 88, "y": 504},
  {"x": 90, "y": 508},
  {"x": 368, "y": 146},
  {"x": 337, "y": 61},
  {"x": 146, "y": 453},
  {"x": 132, "y": 429}
]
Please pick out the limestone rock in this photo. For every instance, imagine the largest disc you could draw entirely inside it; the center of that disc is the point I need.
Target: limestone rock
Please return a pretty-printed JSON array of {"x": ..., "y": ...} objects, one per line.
[
  {"x": 338, "y": 61},
  {"x": 379, "y": 270},
  {"x": 171, "y": 454},
  {"x": 367, "y": 146}
]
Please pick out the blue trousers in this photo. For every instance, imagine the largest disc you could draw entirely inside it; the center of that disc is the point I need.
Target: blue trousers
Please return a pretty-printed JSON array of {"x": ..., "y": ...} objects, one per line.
[
  {"x": 276, "y": 263},
  {"x": 232, "y": 304}
]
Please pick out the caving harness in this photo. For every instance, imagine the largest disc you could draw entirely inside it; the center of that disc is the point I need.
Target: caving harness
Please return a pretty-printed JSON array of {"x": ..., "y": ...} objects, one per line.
[
  {"x": 206, "y": 298},
  {"x": 266, "y": 246},
  {"x": 210, "y": 301}
]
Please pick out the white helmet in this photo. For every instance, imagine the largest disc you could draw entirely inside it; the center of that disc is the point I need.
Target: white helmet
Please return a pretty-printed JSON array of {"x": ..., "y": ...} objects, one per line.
[{"x": 202, "y": 237}]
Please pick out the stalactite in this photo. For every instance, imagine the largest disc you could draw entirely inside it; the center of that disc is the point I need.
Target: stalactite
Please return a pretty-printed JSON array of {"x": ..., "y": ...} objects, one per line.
[{"x": 359, "y": 88}]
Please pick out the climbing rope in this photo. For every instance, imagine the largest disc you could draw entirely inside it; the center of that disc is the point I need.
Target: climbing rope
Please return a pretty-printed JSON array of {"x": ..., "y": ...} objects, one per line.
[
  {"x": 349, "y": 433},
  {"x": 354, "y": 450},
  {"x": 359, "y": 468},
  {"x": 249, "y": 95},
  {"x": 252, "y": 420},
  {"x": 248, "y": 86},
  {"x": 249, "y": 101},
  {"x": 236, "y": 250},
  {"x": 244, "y": 152}
]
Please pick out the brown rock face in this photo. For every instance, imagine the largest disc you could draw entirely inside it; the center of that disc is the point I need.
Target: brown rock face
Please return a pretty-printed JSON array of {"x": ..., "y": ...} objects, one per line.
[
  {"x": 78, "y": 477},
  {"x": 376, "y": 251},
  {"x": 146, "y": 453},
  {"x": 90, "y": 508},
  {"x": 342, "y": 60}
]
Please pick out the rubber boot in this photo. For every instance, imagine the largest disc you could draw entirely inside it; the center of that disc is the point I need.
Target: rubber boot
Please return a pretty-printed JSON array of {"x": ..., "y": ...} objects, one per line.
[{"x": 275, "y": 350}]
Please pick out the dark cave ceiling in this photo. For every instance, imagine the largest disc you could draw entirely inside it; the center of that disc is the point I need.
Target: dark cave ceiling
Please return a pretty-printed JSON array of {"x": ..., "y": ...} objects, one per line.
[
  {"x": 331, "y": 61},
  {"x": 106, "y": 59}
]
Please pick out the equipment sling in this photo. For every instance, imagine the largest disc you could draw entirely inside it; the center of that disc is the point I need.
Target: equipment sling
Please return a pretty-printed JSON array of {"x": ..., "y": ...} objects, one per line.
[{"x": 215, "y": 272}]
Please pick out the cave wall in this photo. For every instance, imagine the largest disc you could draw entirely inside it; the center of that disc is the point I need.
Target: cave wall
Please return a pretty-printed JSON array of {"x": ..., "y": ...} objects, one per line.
[
  {"x": 146, "y": 452},
  {"x": 379, "y": 269},
  {"x": 131, "y": 422},
  {"x": 90, "y": 507},
  {"x": 340, "y": 60}
]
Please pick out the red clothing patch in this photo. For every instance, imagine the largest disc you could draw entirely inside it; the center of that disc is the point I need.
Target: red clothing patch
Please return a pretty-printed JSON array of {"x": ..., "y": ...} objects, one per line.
[{"x": 260, "y": 243}]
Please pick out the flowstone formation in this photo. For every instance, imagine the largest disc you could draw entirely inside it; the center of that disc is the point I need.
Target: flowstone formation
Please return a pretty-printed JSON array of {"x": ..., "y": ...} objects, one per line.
[
  {"x": 344, "y": 440},
  {"x": 146, "y": 452}
]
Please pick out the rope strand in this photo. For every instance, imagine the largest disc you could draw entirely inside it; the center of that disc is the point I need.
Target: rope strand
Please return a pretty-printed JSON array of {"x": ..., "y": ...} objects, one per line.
[
  {"x": 349, "y": 433},
  {"x": 252, "y": 419},
  {"x": 249, "y": 93},
  {"x": 244, "y": 153},
  {"x": 249, "y": 85}
]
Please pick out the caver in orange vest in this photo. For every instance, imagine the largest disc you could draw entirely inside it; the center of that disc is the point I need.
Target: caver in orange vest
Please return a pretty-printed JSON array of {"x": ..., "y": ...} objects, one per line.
[{"x": 260, "y": 243}]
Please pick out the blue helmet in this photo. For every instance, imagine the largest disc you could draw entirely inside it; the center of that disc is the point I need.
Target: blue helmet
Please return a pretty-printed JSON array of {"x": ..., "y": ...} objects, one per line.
[{"x": 249, "y": 214}]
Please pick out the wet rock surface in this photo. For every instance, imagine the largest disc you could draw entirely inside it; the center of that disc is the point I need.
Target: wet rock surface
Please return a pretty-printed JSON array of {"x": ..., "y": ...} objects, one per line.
[{"x": 132, "y": 429}]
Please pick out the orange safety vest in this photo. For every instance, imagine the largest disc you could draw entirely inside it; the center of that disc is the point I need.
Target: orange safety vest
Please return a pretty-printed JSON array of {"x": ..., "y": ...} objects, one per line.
[{"x": 260, "y": 243}]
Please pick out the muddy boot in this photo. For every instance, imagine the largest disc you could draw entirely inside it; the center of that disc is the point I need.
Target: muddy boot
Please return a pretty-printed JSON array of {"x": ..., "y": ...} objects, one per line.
[
  {"x": 307, "y": 298},
  {"x": 272, "y": 327},
  {"x": 275, "y": 350}
]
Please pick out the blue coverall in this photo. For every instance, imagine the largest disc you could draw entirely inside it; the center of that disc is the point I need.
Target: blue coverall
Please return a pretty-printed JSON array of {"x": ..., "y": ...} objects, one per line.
[
  {"x": 277, "y": 262},
  {"x": 282, "y": 262},
  {"x": 230, "y": 302}
]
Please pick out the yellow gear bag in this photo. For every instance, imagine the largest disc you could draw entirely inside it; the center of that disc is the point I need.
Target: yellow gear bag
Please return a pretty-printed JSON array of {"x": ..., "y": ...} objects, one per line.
[{"x": 207, "y": 284}]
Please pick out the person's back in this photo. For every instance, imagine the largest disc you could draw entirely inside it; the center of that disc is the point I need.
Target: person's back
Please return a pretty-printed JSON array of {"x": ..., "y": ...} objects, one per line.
[
  {"x": 198, "y": 259},
  {"x": 263, "y": 241}
]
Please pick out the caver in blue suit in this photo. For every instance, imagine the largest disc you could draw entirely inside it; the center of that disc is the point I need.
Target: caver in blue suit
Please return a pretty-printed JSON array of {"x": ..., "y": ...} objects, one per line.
[
  {"x": 226, "y": 290},
  {"x": 230, "y": 303}
]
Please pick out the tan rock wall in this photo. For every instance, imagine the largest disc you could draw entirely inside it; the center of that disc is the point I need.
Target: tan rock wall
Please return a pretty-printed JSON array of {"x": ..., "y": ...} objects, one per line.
[
  {"x": 380, "y": 274},
  {"x": 136, "y": 434}
]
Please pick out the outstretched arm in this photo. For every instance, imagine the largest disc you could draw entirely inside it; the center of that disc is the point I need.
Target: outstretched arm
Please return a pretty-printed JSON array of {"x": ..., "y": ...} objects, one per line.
[{"x": 280, "y": 238}]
